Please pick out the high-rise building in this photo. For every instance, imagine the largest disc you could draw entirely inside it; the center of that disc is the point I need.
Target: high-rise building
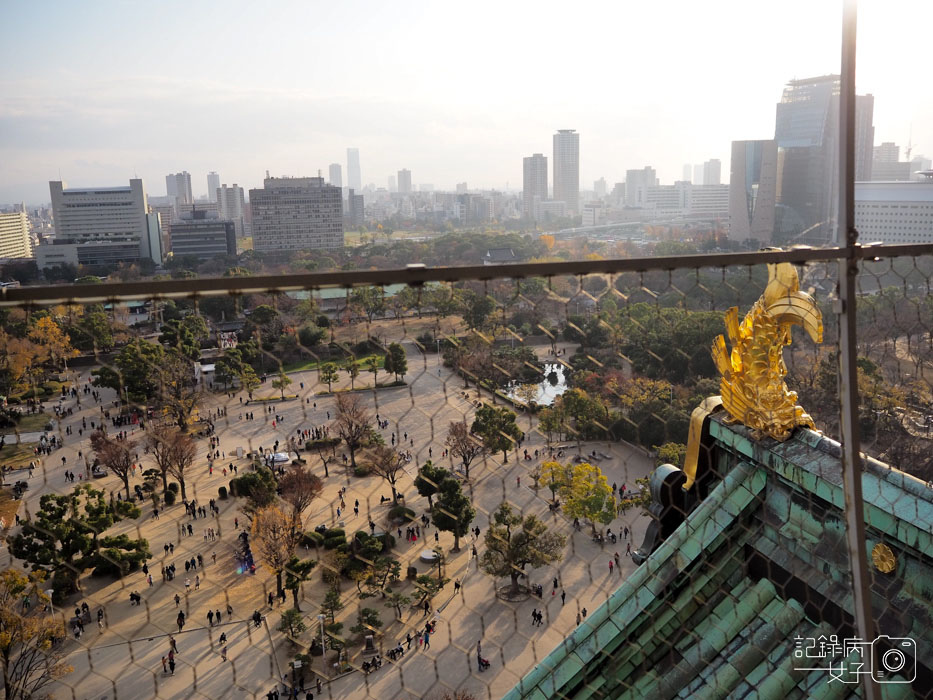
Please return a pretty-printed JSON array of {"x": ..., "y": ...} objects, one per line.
[
  {"x": 335, "y": 175},
  {"x": 101, "y": 226},
  {"x": 178, "y": 185},
  {"x": 886, "y": 165},
  {"x": 355, "y": 206},
  {"x": 688, "y": 173},
  {"x": 712, "y": 172},
  {"x": 534, "y": 183},
  {"x": 404, "y": 181},
  {"x": 231, "y": 204},
  {"x": 753, "y": 190},
  {"x": 15, "y": 238},
  {"x": 807, "y": 135},
  {"x": 599, "y": 187},
  {"x": 393, "y": 187},
  {"x": 354, "y": 178},
  {"x": 213, "y": 182},
  {"x": 296, "y": 213},
  {"x": 698, "y": 174},
  {"x": 462, "y": 188},
  {"x": 637, "y": 183},
  {"x": 567, "y": 169}
]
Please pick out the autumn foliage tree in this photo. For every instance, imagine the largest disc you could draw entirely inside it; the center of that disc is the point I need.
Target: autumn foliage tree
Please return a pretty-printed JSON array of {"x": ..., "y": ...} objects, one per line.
[
  {"x": 587, "y": 495},
  {"x": 514, "y": 542},
  {"x": 28, "y": 653}
]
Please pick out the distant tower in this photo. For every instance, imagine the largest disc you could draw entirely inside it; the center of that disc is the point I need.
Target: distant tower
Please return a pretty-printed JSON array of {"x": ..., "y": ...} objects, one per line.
[
  {"x": 178, "y": 185},
  {"x": 354, "y": 178},
  {"x": 688, "y": 173},
  {"x": 712, "y": 172},
  {"x": 213, "y": 183},
  {"x": 567, "y": 169},
  {"x": 336, "y": 175},
  {"x": 753, "y": 190},
  {"x": 534, "y": 183},
  {"x": 404, "y": 181}
]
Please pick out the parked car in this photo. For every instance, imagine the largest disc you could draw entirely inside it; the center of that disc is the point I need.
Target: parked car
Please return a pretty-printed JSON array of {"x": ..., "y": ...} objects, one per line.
[{"x": 98, "y": 472}]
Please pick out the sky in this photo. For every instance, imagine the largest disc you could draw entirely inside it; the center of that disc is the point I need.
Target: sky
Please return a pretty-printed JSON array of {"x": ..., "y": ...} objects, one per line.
[{"x": 98, "y": 92}]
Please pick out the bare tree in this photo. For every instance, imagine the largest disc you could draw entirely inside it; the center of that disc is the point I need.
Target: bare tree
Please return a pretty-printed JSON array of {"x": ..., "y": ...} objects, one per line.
[
  {"x": 29, "y": 657},
  {"x": 299, "y": 488},
  {"x": 275, "y": 538},
  {"x": 159, "y": 440},
  {"x": 177, "y": 388},
  {"x": 463, "y": 445},
  {"x": 181, "y": 456},
  {"x": 116, "y": 455},
  {"x": 352, "y": 422},
  {"x": 388, "y": 463}
]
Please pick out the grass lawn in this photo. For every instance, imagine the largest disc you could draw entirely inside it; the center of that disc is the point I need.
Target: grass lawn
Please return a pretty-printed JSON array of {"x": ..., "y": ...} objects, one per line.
[
  {"x": 306, "y": 365},
  {"x": 17, "y": 456},
  {"x": 8, "y": 507},
  {"x": 29, "y": 423}
]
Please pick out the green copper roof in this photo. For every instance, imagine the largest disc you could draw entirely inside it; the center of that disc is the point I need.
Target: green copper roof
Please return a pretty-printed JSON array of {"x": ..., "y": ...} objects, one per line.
[{"x": 715, "y": 609}]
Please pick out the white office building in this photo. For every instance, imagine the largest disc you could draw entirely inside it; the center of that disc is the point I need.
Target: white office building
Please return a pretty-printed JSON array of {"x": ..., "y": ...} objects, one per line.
[
  {"x": 296, "y": 213},
  {"x": 15, "y": 237},
  {"x": 213, "y": 182},
  {"x": 895, "y": 212},
  {"x": 231, "y": 204},
  {"x": 567, "y": 168},
  {"x": 335, "y": 175}
]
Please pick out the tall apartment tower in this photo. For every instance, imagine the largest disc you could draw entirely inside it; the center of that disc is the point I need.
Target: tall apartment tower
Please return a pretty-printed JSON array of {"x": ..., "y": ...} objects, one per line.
[
  {"x": 213, "y": 182},
  {"x": 712, "y": 172},
  {"x": 567, "y": 169},
  {"x": 807, "y": 135},
  {"x": 637, "y": 183},
  {"x": 335, "y": 175},
  {"x": 231, "y": 205},
  {"x": 15, "y": 239},
  {"x": 178, "y": 185},
  {"x": 354, "y": 178},
  {"x": 534, "y": 184},
  {"x": 296, "y": 213},
  {"x": 753, "y": 190},
  {"x": 404, "y": 181}
]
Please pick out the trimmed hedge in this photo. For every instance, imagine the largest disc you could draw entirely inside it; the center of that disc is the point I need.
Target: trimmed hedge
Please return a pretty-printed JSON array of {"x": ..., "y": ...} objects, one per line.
[
  {"x": 222, "y": 493},
  {"x": 401, "y": 512},
  {"x": 362, "y": 470},
  {"x": 326, "y": 442},
  {"x": 169, "y": 497},
  {"x": 312, "y": 539},
  {"x": 173, "y": 487}
]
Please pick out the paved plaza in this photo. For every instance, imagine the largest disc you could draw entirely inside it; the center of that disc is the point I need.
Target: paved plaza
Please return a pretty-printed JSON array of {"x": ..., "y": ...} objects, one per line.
[{"x": 124, "y": 660}]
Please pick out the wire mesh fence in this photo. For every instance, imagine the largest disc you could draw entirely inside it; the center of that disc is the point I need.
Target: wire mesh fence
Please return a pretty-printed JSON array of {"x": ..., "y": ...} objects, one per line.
[{"x": 457, "y": 485}]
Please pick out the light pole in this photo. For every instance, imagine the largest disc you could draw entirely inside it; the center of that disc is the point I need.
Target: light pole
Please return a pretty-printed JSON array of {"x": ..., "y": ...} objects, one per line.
[
  {"x": 320, "y": 617},
  {"x": 438, "y": 341}
]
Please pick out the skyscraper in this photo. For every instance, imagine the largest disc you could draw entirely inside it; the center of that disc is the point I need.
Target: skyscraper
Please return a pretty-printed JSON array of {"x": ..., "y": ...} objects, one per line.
[
  {"x": 807, "y": 135},
  {"x": 178, "y": 185},
  {"x": 336, "y": 175},
  {"x": 599, "y": 187},
  {"x": 752, "y": 190},
  {"x": 637, "y": 183},
  {"x": 15, "y": 239},
  {"x": 534, "y": 183},
  {"x": 354, "y": 178},
  {"x": 698, "y": 174},
  {"x": 712, "y": 172},
  {"x": 688, "y": 173},
  {"x": 213, "y": 182},
  {"x": 404, "y": 181},
  {"x": 232, "y": 206},
  {"x": 567, "y": 169},
  {"x": 296, "y": 213}
]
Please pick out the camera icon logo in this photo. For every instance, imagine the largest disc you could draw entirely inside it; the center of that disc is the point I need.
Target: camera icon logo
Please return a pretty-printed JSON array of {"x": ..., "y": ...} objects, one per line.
[{"x": 894, "y": 659}]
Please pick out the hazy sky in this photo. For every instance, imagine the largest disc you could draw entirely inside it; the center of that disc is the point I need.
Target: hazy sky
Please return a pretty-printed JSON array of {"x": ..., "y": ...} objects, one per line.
[{"x": 97, "y": 91}]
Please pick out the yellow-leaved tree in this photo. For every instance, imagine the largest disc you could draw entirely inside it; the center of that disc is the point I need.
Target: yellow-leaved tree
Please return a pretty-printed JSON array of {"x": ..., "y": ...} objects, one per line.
[
  {"x": 588, "y": 496},
  {"x": 54, "y": 341}
]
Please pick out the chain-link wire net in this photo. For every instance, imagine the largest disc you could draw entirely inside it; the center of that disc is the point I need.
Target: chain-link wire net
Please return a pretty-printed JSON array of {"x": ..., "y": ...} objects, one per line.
[{"x": 218, "y": 487}]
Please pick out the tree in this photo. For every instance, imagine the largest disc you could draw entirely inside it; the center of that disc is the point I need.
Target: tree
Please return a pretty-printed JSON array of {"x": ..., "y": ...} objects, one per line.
[
  {"x": 159, "y": 442},
  {"x": 179, "y": 336},
  {"x": 396, "y": 600},
  {"x": 332, "y": 604},
  {"x": 181, "y": 454},
  {"x": 463, "y": 445},
  {"x": 513, "y": 542},
  {"x": 550, "y": 420},
  {"x": 396, "y": 361},
  {"x": 353, "y": 371},
  {"x": 56, "y": 343},
  {"x": 310, "y": 335},
  {"x": 275, "y": 538},
  {"x": 555, "y": 476},
  {"x": 115, "y": 455},
  {"x": 30, "y": 657},
  {"x": 134, "y": 377},
  {"x": 18, "y": 358},
  {"x": 299, "y": 488},
  {"x": 496, "y": 426},
  {"x": 63, "y": 538},
  {"x": 281, "y": 382},
  {"x": 92, "y": 332},
  {"x": 453, "y": 511},
  {"x": 248, "y": 380},
  {"x": 372, "y": 365},
  {"x": 367, "y": 620},
  {"x": 352, "y": 423},
  {"x": 589, "y": 496},
  {"x": 177, "y": 389},
  {"x": 429, "y": 480},
  {"x": 388, "y": 463},
  {"x": 292, "y": 624},
  {"x": 296, "y": 573},
  {"x": 327, "y": 373},
  {"x": 258, "y": 488},
  {"x": 478, "y": 309},
  {"x": 368, "y": 300}
]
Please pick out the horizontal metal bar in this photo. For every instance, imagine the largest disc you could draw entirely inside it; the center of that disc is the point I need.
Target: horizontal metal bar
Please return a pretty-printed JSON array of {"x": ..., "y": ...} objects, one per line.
[{"x": 419, "y": 275}]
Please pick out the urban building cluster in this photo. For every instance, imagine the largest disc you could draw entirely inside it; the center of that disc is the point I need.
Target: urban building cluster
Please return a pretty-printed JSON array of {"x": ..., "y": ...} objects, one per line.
[{"x": 780, "y": 190}]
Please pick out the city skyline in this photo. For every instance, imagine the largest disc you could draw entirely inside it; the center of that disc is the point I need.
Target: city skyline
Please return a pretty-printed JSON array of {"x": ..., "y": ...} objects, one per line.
[{"x": 71, "y": 112}]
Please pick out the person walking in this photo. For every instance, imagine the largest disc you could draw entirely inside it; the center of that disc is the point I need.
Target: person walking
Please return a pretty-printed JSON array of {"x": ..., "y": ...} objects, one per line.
[
  {"x": 534, "y": 616},
  {"x": 177, "y": 600},
  {"x": 611, "y": 564},
  {"x": 171, "y": 666},
  {"x": 628, "y": 549},
  {"x": 427, "y": 641},
  {"x": 164, "y": 665},
  {"x": 563, "y": 597},
  {"x": 173, "y": 644},
  {"x": 408, "y": 641},
  {"x": 210, "y": 618},
  {"x": 223, "y": 654}
]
